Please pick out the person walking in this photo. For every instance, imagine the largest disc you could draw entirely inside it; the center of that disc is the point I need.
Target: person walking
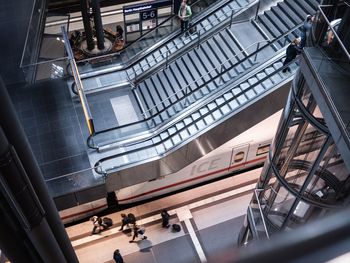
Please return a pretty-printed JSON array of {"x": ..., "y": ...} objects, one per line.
[
  {"x": 305, "y": 30},
  {"x": 125, "y": 222},
  {"x": 165, "y": 218},
  {"x": 138, "y": 232},
  {"x": 291, "y": 53},
  {"x": 185, "y": 14},
  {"x": 118, "y": 257}
]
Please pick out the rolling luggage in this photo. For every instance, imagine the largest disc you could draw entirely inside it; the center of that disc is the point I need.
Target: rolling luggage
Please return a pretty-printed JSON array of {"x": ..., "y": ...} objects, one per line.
[
  {"x": 176, "y": 228},
  {"x": 192, "y": 28},
  {"x": 108, "y": 221}
]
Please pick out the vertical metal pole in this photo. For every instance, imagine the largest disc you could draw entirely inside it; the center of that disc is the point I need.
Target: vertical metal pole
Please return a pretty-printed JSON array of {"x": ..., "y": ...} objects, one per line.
[
  {"x": 199, "y": 39},
  {"x": 221, "y": 70},
  {"x": 257, "y": 11},
  {"x": 98, "y": 24},
  {"x": 87, "y": 26},
  {"x": 232, "y": 12},
  {"x": 256, "y": 52},
  {"x": 167, "y": 59}
]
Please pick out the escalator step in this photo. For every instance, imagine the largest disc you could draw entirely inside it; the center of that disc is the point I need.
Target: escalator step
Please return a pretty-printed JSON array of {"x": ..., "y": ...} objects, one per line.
[
  {"x": 268, "y": 28},
  {"x": 293, "y": 5},
  {"x": 276, "y": 22},
  {"x": 280, "y": 13},
  {"x": 290, "y": 13}
]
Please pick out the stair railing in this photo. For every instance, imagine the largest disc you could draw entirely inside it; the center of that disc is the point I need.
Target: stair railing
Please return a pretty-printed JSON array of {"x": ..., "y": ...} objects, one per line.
[
  {"x": 189, "y": 37},
  {"x": 92, "y": 145},
  {"x": 186, "y": 89},
  {"x": 260, "y": 210}
]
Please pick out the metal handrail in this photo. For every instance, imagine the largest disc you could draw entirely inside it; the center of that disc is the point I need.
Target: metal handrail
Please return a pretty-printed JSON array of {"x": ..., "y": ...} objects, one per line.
[
  {"x": 70, "y": 174},
  {"x": 204, "y": 75},
  {"x": 232, "y": 10},
  {"x": 137, "y": 40},
  {"x": 98, "y": 163},
  {"x": 150, "y": 117},
  {"x": 46, "y": 61},
  {"x": 79, "y": 18},
  {"x": 166, "y": 54},
  {"x": 334, "y": 32},
  {"x": 82, "y": 96},
  {"x": 261, "y": 213}
]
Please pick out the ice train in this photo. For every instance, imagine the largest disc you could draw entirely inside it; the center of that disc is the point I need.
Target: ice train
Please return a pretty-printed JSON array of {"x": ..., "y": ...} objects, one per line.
[{"x": 242, "y": 152}]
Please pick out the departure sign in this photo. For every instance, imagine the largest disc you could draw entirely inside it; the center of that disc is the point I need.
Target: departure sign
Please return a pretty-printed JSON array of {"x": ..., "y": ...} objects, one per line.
[
  {"x": 146, "y": 6},
  {"x": 141, "y": 18},
  {"x": 150, "y": 14}
]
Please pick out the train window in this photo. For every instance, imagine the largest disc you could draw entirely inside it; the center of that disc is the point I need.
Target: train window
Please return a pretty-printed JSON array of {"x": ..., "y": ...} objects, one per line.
[
  {"x": 262, "y": 149},
  {"x": 238, "y": 157}
]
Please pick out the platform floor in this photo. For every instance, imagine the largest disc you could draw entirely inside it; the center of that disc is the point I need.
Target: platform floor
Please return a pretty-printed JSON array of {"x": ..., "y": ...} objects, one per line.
[{"x": 211, "y": 217}]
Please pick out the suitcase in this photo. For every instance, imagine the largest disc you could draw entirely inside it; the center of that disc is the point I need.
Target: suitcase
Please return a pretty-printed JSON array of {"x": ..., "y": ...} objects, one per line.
[
  {"x": 192, "y": 28},
  {"x": 176, "y": 228},
  {"x": 108, "y": 221}
]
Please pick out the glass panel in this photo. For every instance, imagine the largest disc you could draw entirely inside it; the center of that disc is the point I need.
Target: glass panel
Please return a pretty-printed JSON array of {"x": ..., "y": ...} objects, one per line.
[
  {"x": 282, "y": 155},
  {"x": 302, "y": 214},
  {"x": 239, "y": 157},
  {"x": 263, "y": 149},
  {"x": 73, "y": 182},
  {"x": 332, "y": 181},
  {"x": 280, "y": 204}
]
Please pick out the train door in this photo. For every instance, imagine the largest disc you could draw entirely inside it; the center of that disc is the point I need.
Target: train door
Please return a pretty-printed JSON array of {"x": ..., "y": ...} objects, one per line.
[{"x": 239, "y": 157}]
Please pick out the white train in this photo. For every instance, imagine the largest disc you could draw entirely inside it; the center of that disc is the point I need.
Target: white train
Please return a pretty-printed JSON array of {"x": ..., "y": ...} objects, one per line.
[{"x": 244, "y": 151}]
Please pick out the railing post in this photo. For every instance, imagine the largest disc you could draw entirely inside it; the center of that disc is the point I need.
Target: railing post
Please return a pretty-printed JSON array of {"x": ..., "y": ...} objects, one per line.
[
  {"x": 199, "y": 39},
  {"x": 221, "y": 70},
  {"x": 256, "y": 51},
  {"x": 257, "y": 11},
  {"x": 132, "y": 84},
  {"x": 166, "y": 59},
  {"x": 186, "y": 93},
  {"x": 232, "y": 12}
]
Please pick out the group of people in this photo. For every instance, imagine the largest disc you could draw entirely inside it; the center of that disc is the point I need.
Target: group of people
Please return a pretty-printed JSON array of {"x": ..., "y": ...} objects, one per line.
[
  {"x": 298, "y": 44},
  {"x": 129, "y": 221},
  {"x": 100, "y": 224},
  {"x": 137, "y": 230}
]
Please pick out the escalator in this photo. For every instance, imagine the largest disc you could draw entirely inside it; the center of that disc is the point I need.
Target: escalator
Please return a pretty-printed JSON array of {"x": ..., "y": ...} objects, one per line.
[
  {"x": 243, "y": 93},
  {"x": 208, "y": 125}
]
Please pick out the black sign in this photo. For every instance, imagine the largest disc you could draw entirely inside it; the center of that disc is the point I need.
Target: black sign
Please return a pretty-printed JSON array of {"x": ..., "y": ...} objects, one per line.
[{"x": 146, "y": 6}]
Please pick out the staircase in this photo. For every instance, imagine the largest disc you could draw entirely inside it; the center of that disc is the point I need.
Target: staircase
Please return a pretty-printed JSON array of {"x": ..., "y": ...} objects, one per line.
[{"x": 224, "y": 52}]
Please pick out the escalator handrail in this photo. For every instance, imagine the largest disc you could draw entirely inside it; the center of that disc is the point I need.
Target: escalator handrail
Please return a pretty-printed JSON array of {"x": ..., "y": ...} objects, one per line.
[
  {"x": 204, "y": 75},
  {"x": 202, "y": 29},
  {"x": 140, "y": 38},
  {"x": 268, "y": 41},
  {"x": 170, "y": 38},
  {"x": 99, "y": 162},
  {"x": 165, "y": 108}
]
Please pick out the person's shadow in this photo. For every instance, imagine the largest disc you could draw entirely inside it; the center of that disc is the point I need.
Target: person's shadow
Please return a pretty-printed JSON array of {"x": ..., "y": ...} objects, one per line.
[
  {"x": 144, "y": 245},
  {"x": 127, "y": 232}
]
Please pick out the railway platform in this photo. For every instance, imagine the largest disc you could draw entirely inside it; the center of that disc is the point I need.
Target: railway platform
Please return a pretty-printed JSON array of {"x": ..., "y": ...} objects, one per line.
[{"x": 210, "y": 216}]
